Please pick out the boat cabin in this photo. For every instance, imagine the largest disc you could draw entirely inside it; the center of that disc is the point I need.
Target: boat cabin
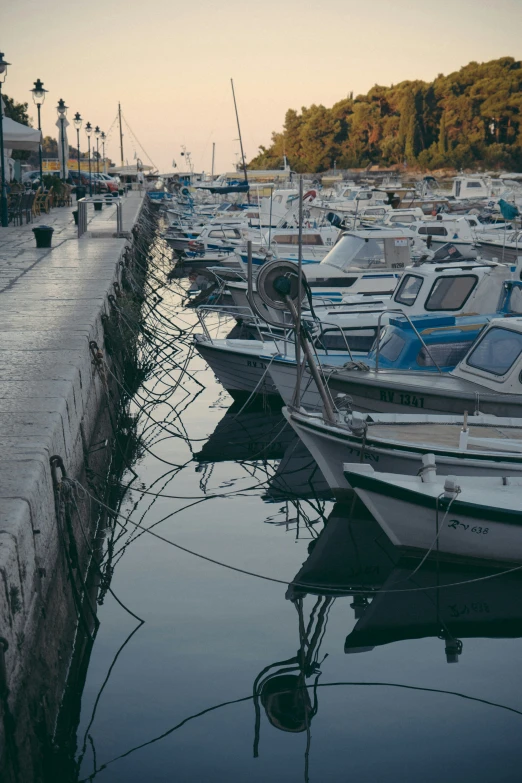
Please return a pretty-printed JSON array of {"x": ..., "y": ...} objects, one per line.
[
  {"x": 369, "y": 249},
  {"x": 444, "y": 341},
  {"x": 465, "y": 188},
  {"x": 465, "y": 287},
  {"x": 495, "y": 359}
]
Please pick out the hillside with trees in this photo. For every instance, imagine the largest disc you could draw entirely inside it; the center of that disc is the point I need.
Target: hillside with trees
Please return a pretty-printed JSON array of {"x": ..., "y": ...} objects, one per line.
[{"x": 469, "y": 119}]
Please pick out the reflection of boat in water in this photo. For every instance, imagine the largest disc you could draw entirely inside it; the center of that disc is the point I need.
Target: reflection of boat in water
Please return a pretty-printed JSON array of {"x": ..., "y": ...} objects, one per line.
[
  {"x": 297, "y": 476},
  {"x": 478, "y": 603},
  {"x": 351, "y": 555},
  {"x": 397, "y": 598},
  {"x": 257, "y": 433}
]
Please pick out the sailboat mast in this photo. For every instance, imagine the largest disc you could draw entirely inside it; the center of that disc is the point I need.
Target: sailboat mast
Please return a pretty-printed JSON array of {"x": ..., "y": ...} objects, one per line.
[
  {"x": 121, "y": 134},
  {"x": 213, "y": 155},
  {"x": 240, "y": 139}
]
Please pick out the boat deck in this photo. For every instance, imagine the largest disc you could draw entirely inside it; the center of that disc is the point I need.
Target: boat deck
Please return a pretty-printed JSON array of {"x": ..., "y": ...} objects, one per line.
[{"x": 443, "y": 435}]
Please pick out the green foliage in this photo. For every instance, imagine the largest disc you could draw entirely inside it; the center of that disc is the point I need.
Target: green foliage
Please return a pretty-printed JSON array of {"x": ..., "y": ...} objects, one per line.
[{"x": 470, "y": 118}]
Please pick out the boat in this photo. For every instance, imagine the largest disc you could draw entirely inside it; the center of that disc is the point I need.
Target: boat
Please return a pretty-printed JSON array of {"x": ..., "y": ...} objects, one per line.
[
  {"x": 478, "y": 445},
  {"x": 469, "y": 516},
  {"x": 488, "y": 379}
]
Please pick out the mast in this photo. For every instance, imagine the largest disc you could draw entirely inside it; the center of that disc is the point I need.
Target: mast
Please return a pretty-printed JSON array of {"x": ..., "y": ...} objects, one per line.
[
  {"x": 240, "y": 140},
  {"x": 213, "y": 154},
  {"x": 121, "y": 134}
]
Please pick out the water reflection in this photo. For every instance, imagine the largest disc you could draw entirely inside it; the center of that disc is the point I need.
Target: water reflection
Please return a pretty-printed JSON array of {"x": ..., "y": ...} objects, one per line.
[{"x": 243, "y": 674}]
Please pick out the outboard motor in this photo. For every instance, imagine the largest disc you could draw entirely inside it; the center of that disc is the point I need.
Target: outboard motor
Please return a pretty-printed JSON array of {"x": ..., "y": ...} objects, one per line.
[{"x": 334, "y": 220}]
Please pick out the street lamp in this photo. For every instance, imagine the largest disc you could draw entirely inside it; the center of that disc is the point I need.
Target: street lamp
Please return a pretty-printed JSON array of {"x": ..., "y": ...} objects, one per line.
[
  {"x": 88, "y": 131},
  {"x": 3, "y": 196},
  {"x": 39, "y": 97},
  {"x": 77, "y": 121},
  {"x": 97, "y": 134},
  {"x": 103, "y": 137},
  {"x": 62, "y": 111}
]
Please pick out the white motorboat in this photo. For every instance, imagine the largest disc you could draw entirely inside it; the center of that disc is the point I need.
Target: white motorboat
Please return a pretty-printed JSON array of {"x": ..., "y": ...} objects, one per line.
[
  {"x": 428, "y": 290},
  {"x": 468, "y": 516},
  {"x": 396, "y": 442},
  {"x": 487, "y": 379}
]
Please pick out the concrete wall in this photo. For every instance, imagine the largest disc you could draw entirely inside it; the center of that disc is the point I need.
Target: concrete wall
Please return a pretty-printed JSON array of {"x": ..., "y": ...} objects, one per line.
[{"x": 53, "y": 400}]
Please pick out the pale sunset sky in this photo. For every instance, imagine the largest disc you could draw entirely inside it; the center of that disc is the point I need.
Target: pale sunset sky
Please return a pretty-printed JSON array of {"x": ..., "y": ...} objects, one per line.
[{"x": 170, "y": 62}]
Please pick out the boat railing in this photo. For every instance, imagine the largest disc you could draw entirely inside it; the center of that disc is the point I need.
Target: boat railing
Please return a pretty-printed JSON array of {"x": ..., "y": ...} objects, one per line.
[
  {"x": 379, "y": 324},
  {"x": 245, "y": 313}
]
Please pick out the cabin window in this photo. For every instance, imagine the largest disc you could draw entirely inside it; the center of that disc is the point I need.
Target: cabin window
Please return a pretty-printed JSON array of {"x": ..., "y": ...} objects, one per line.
[
  {"x": 293, "y": 239},
  {"x": 408, "y": 290},
  {"x": 445, "y": 354},
  {"x": 497, "y": 352},
  {"x": 217, "y": 233},
  {"x": 450, "y": 293},
  {"x": 357, "y": 339},
  {"x": 433, "y": 231},
  {"x": 402, "y": 219},
  {"x": 391, "y": 346},
  {"x": 474, "y": 184},
  {"x": 374, "y": 211}
]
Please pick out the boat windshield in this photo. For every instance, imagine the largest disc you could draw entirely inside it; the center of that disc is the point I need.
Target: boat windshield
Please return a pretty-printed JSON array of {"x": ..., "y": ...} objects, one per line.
[
  {"x": 451, "y": 293},
  {"x": 408, "y": 290},
  {"x": 355, "y": 253},
  {"x": 497, "y": 352}
]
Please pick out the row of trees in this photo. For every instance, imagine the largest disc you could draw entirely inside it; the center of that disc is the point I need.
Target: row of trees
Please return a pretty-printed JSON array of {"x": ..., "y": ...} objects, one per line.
[{"x": 471, "y": 118}]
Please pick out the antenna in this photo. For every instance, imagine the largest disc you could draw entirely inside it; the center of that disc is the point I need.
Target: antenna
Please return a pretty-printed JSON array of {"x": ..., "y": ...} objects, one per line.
[{"x": 240, "y": 139}]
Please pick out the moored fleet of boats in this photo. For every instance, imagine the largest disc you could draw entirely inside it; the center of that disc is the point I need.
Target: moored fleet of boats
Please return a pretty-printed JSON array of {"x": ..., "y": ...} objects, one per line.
[{"x": 394, "y": 339}]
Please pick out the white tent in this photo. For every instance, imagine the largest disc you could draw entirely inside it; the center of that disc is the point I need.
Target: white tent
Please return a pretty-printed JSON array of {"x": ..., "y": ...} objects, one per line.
[{"x": 20, "y": 137}]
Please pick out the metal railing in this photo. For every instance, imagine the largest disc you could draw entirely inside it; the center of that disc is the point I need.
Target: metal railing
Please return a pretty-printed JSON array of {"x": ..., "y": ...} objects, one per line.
[{"x": 82, "y": 213}]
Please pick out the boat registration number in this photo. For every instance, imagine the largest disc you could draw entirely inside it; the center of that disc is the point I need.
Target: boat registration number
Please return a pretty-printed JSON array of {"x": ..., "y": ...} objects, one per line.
[
  {"x": 398, "y": 398},
  {"x": 257, "y": 364}
]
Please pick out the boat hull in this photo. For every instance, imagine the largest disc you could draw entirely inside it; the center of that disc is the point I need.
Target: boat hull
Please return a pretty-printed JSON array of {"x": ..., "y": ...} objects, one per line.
[
  {"x": 239, "y": 373},
  {"x": 410, "y": 524},
  {"x": 332, "y": 448}
]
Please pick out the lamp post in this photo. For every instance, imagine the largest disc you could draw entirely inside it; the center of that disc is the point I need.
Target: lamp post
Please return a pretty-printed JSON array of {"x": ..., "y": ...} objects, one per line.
[
  {"x": 38, "y": 93},
  {"x": 62, "y": 111},
  {"x": 97, "y": 134},
  {"x": 88, "y": 131},
  {"x": 3, "y": 197},
  {"x": 78, "y": 124},
  {"x": 103, "y": 137}
]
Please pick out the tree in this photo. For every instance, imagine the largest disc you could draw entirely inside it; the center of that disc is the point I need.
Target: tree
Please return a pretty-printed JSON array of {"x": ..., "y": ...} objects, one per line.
[{"x": 472, "y": 117}]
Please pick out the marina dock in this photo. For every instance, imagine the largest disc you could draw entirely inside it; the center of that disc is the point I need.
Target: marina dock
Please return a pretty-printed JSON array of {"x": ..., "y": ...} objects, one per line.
[{"x": 51, "y": 398}]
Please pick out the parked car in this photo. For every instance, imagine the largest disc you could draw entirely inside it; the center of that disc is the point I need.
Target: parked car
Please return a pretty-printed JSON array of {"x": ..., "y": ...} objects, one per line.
[
  {"x": 112, "y": 185},
  {"x": 31, "y": 177}
]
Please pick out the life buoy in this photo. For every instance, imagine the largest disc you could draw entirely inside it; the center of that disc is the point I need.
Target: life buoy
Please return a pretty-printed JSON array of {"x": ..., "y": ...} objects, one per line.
[{"x": 310, "y": 194}]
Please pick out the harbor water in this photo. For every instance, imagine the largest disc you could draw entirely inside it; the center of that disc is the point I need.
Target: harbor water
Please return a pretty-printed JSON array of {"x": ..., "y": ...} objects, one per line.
[{"x": 258, "y": 631}]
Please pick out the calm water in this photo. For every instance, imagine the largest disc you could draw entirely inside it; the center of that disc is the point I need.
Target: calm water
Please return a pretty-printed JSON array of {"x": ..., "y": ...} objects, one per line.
[{"x": 237, "y": 678}]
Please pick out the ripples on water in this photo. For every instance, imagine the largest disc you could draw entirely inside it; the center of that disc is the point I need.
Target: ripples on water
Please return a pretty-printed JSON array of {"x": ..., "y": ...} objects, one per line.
[{"x": 232, "y": 677}]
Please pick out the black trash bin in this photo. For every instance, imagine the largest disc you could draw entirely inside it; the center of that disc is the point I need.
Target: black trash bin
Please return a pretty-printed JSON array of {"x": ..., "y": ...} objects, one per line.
[
  {"x": 43, "y": 236},
  {"x": 75, "y": 216},
  {"x": 98, "y": 206},
  {"x": 81, "y": 192}
]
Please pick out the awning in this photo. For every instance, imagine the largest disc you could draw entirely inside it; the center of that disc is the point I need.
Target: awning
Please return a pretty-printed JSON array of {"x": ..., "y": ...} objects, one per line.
[{"x": 20, "y": 137}]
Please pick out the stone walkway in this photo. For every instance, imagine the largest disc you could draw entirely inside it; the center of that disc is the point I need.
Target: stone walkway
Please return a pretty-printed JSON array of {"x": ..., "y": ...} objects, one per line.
[{"x": 51, "y": 302}]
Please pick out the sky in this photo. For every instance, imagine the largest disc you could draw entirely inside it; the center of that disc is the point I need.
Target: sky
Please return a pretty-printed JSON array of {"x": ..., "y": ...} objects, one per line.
[{"x": 170, "y": 62}]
